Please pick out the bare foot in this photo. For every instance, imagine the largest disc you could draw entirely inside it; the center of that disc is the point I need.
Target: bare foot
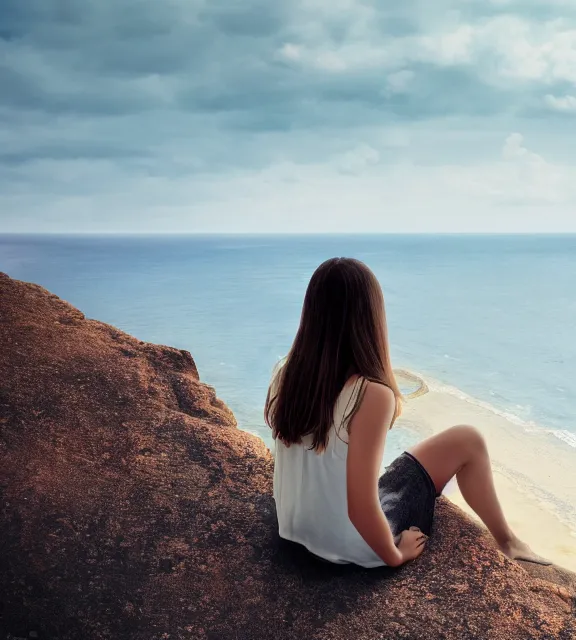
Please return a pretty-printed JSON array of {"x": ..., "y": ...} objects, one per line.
[{"x": 518, "y": 550}]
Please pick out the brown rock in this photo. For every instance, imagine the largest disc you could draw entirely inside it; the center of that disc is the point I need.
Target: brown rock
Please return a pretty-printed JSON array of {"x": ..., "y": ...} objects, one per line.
[{"x": 133, "y": 508}]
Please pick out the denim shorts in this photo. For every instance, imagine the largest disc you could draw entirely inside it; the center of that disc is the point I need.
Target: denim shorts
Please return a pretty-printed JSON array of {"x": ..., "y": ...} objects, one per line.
[{"x": 407, "y": 495}]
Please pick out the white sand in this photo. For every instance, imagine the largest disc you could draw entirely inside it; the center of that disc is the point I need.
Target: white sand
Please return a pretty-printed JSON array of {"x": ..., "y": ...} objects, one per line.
[{"x": 535, "y": 474}]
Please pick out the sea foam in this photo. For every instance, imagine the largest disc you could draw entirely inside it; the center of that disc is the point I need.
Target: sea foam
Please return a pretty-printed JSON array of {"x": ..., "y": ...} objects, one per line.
[{"x": 529, "y": 426}]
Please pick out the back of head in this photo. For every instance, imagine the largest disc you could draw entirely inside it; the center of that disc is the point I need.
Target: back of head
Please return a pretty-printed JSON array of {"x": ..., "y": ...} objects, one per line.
[{"x": 342, "y": 333}]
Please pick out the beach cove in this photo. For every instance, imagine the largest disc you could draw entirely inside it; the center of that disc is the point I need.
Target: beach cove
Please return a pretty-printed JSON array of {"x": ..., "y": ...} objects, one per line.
[{"x": 534, "y": 471}]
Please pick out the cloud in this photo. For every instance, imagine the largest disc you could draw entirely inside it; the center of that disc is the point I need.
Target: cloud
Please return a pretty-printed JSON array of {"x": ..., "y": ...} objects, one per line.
[
  {"x": 400, "y": 81},
  {"x": 532, "y": 178},
  {"x": 357, "y": 159},
  {"x": 290, "y": 52},
  {"x": 499, "y": 49},
  {"x": 186, "y": 113},
  {"x": 523, "y": 178},
  {"x": 515, "y": 151},
  {"x": 566, "y": 104}
]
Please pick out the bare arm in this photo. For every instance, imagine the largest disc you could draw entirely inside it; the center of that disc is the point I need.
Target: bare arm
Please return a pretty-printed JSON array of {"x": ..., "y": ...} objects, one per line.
[{"x": 367, "y": 437}]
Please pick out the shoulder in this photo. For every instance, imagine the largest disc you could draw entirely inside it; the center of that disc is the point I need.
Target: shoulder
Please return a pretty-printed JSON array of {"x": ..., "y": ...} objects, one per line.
[
  {"x": 374, "y": 415},
  {"x": 376, "y": 392},
  {"x": 377, "y": 400}
]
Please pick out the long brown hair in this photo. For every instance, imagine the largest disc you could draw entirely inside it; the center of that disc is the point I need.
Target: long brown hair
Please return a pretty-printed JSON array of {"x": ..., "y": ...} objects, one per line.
[{"x": 342, "y": 333}]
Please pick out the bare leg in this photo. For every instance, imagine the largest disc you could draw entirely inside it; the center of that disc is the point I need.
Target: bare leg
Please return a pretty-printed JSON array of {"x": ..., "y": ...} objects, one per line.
[{"x": 461, "y": 451}]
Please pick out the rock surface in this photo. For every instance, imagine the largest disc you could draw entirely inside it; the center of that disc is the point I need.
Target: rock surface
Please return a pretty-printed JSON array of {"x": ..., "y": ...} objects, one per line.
[{"x": 134, "y": 509}]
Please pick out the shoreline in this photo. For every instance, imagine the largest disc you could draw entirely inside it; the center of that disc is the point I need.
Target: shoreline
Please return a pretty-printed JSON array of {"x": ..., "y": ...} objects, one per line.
[{"x": 535, "y": 476}]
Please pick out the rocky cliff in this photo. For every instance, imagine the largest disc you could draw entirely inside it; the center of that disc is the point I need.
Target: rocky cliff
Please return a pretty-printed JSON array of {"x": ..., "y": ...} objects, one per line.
[{"x": 134, "y": 509}]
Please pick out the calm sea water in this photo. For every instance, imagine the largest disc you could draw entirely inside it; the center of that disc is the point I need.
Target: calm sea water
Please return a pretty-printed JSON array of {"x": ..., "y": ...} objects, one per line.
[{"x": 494, "y": 317}]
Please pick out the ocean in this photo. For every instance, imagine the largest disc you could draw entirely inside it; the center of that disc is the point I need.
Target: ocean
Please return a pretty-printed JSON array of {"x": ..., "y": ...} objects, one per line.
[{"x": 488, "y": 319}]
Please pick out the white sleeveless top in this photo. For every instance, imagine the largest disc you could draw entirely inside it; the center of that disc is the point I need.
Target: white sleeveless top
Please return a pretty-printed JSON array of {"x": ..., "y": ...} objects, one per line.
[{"x": 310, "y": 491}]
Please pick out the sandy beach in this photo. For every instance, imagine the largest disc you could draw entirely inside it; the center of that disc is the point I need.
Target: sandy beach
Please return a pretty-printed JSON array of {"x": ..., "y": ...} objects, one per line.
[{"x": 535, "y": 473}]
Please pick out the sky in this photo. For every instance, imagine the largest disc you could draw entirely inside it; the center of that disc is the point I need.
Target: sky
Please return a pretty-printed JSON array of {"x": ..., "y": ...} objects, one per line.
[{"x": 287, "y": 116}]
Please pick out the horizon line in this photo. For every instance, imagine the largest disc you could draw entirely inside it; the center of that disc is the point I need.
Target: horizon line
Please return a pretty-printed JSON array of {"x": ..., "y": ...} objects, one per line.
[{"x": 276, "y": 234}]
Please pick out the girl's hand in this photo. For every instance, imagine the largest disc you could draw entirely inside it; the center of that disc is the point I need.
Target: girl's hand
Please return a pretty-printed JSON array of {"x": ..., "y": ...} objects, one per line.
[{"x": 411, "y": 544}]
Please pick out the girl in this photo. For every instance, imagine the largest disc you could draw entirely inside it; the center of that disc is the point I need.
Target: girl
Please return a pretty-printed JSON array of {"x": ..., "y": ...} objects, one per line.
[{"x": 330, "y": 406}]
